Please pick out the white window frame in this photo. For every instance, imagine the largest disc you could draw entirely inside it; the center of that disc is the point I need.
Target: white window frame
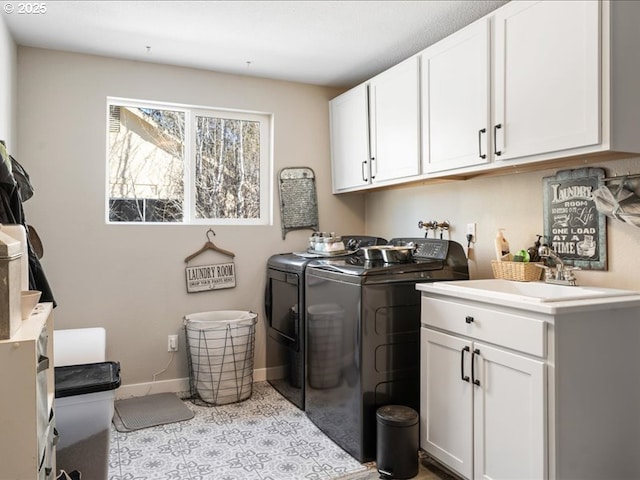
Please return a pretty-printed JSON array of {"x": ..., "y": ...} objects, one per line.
[{"x": 266, "y": 121}]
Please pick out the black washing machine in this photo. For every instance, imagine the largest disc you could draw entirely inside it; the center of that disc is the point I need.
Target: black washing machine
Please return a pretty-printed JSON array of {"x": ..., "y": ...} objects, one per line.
[
  {"x": 285, "y": 314},
  {"x": 363, "y": 337}
]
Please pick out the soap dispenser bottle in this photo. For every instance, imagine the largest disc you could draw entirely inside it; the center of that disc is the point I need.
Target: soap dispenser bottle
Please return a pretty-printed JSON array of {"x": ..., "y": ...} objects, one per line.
[
  {"x": 534, "y": 255},
  {"x": 502, "y": 246}
]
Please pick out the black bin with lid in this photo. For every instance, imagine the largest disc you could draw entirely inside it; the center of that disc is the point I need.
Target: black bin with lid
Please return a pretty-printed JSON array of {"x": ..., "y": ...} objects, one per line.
[
  {"x": 397, "y": 441},
  {"x": 87, "y": 378},
  {"x": 85, "y": 396}
]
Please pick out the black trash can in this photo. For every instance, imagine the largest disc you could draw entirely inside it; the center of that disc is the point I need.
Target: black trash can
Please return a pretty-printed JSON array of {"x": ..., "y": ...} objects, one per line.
[{"x": 397, "y": 441}]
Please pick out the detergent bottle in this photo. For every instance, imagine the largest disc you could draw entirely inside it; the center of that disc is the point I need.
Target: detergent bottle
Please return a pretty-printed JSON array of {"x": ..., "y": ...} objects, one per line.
[{"x": 502, "y": 246}]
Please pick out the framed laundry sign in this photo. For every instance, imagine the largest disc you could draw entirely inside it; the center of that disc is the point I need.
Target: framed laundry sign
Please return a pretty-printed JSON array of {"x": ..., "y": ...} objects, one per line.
[
  {"x": 210, "y": 277},
  {"x": 573, "y": 227}
]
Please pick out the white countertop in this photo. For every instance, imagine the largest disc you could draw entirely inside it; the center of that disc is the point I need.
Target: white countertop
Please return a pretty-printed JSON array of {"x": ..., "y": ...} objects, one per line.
[{"x": 534, "y": 296}]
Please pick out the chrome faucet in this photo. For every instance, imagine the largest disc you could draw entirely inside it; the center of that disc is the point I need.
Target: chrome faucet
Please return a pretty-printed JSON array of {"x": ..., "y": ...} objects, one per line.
[{"x": 560, "y": 274}]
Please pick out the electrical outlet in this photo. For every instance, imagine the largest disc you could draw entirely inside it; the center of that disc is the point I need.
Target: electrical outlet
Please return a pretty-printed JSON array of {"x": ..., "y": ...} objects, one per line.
[
  {"x": 471, "y": 230},
  {"x": 172, "y": 343}
]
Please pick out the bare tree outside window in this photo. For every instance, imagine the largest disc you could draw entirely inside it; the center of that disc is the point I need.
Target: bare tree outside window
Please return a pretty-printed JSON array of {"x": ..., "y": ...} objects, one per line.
[
  {"x": 158, "y": 175},
  {"x": 227, "y": 168}
]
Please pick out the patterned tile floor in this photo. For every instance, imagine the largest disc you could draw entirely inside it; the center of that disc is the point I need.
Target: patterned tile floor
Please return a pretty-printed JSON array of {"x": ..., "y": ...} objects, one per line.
[{"x": 262, "y": 438}]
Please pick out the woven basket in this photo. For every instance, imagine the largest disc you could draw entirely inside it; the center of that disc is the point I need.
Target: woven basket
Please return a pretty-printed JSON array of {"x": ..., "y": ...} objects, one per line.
[{"x": 519, "y": 271}]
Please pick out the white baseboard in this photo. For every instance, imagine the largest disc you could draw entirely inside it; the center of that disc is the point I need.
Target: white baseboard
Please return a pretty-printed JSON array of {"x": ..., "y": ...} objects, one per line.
[{"x": 179, "y": 386}]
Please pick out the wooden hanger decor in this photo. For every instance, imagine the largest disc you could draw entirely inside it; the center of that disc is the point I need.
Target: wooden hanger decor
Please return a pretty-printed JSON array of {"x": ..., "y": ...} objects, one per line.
[
  {"x": 209, "y": 246},
  {"x": 210, "y": 277}
]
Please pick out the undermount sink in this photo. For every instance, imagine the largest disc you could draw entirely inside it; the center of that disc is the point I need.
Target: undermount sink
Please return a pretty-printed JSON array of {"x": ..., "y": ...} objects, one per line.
[{"x": 538, "y": 292}]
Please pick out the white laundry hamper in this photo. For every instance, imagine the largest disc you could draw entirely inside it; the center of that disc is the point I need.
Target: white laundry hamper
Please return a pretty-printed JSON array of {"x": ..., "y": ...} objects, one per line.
[{"x": 220, "y": 346}]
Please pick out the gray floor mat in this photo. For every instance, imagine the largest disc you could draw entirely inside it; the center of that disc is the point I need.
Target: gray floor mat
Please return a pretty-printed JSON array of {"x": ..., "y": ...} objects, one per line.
[{"x": 144, "y": 412}]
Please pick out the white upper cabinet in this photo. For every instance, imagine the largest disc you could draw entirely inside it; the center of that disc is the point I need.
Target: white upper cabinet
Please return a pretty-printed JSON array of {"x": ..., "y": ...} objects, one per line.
[
  {"x": 394, "y": 102},
  {"x": 455, "y": 100},
  {"x": 375, "y": 130},
  {"x": 546, "y": 78},
  {"x": 533, "y": 82},
  {"x": 350, "y": 161}
]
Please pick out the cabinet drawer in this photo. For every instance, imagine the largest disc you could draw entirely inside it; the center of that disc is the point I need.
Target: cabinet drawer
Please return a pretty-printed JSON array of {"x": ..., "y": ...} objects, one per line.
[{"x": 506, "y": 329}]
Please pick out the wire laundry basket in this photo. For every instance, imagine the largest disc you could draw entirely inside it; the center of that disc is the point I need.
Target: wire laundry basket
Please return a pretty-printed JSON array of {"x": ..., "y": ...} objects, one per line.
[{"x": 220, "y": 349}]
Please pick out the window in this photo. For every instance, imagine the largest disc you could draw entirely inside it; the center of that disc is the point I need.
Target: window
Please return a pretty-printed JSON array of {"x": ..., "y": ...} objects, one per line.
[{"x": 180, "y": 164}]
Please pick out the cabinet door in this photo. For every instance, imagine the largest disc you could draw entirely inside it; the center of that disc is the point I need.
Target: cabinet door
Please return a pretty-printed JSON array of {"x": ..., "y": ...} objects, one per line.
[
  {"x": 455, "y": 100},
  {"x": 546, "y": 78},
  {"x": 395, "y": 122},
  {"x": 446, "y": 400},
  {"x": 350, "y": 139},
  {"x": 509, "y": 415}
]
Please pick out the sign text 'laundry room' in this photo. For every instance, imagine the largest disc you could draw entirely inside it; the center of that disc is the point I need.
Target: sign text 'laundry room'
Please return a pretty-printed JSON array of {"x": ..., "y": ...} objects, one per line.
[{"x": 210, "y": 277}]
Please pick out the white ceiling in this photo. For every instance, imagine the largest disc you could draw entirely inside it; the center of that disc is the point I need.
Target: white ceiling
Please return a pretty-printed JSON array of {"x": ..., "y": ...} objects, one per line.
[{"x": 331, "y": 43}]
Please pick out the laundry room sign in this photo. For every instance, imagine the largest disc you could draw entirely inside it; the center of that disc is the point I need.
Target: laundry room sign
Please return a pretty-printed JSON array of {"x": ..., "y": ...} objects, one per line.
[
  {"x": 573, "y": 227},
  {"x": 203, "y": 278}
]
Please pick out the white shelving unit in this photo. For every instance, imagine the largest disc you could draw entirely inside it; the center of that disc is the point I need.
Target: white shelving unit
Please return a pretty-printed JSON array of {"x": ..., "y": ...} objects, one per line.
[{"x": 27, "y": 421}]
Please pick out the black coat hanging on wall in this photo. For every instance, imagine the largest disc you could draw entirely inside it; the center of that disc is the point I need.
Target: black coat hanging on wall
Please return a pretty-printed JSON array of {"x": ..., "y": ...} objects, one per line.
[{"x": 16, "y": 188}]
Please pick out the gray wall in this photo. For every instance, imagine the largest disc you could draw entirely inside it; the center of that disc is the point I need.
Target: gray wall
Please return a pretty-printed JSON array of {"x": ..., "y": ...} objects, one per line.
[
  {"x": 131, "y": 279},
  {"x": 8, "y": 75},
  {"x": 513, "y": 202}
]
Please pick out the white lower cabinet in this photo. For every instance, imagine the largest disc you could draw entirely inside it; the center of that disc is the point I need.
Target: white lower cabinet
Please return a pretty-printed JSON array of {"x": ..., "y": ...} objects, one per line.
[
  {"x": 482, "y": 408},
  {"x": 446, "y": 401},
  {"x": 508, "y": 415},
  {"x": 531, "y": 390}
]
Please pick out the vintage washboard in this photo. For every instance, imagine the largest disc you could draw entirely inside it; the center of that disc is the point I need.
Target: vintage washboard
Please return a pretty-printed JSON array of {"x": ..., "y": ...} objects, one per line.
[{"x": 298, "y": 199}]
